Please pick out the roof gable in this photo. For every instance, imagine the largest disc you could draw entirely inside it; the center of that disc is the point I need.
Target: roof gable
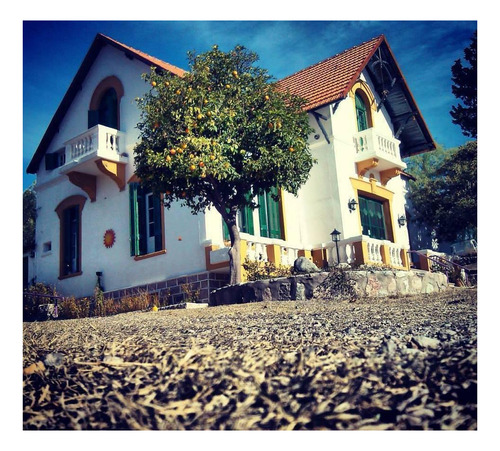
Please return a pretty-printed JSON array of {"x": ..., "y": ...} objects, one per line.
[
  {"x": 331, "y": 80},
  {"x": 99, "y": 42}
]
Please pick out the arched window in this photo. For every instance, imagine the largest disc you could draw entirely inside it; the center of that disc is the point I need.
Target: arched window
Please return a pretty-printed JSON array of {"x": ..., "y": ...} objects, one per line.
[
  {"x": 362, "y": 112},
  {"x": 70, "y": 242},
  {"x": 108, "y": 109},
  {"x": 104, "y": 106}
]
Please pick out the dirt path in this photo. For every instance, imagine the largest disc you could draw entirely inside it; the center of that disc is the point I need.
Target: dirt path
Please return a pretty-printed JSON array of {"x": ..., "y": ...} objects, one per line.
[{"x": 406, "y": 363}]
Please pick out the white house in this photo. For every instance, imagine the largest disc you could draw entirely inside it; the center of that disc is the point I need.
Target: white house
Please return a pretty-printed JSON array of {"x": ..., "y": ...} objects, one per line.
[{"x": 93, "y": 217}]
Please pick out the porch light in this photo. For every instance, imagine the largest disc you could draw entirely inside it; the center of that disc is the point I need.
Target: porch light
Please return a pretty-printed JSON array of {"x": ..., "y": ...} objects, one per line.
[
  {"x": 402, "y": 221},
  {"x": 336, "y": 237},
  {"x": 352, "y": 205}
]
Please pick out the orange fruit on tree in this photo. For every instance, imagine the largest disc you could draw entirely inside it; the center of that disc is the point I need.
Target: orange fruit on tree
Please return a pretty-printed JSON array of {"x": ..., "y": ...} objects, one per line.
[
  {"x": 192, "y": 167},
  {"x": 201, "y": 164},
  {"x": 172, "y": 151}
]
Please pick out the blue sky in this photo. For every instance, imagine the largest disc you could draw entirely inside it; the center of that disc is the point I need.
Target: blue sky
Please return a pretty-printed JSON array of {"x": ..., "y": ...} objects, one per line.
[{"x": 425, "y": 51}]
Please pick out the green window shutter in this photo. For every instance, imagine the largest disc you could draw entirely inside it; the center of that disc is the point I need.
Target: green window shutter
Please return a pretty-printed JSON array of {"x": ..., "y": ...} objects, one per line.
[
  {"x": 264, "y": 229},
  {"x": 248, "y": 214},
  {"x": 225, "y": 231},
  {"x": 134, "y": 220},
  {"x": 246, "y": 220},
  {"x": 273, "y": 213},
  {"x": 361, "y": 113},
  {"x": 157, "y": 223},
  {"x": 143, "y": 220}
]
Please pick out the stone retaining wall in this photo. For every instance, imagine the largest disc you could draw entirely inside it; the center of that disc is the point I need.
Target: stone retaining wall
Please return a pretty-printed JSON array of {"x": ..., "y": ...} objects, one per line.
[
  {"x": 301, "y": 287},
  {"x": 171, "y": 291}
]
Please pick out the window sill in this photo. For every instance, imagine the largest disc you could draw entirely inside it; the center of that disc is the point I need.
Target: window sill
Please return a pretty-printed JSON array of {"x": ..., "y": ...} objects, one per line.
[
  {"x": 68, "y": 276},
  {"x": 152, "y": 254}
]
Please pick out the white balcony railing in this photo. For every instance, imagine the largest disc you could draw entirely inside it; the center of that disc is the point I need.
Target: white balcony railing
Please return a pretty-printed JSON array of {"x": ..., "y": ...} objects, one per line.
[
  {"x": 347, "y": 251},
  {"x": 101, "y": 141},
  {"x": 371, "y": 144}
]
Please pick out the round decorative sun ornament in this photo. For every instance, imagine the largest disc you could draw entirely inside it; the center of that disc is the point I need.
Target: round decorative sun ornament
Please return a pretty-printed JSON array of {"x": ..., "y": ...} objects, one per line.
[{"x": 109, "y": 238}]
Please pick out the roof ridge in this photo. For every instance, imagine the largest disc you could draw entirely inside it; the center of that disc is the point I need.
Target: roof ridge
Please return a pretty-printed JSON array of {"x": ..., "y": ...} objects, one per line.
[{"x": 379, "y": 37}]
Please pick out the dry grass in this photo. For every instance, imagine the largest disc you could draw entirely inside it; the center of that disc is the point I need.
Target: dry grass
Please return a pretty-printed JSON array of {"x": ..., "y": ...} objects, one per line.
[{"x": 405, "y": 363}]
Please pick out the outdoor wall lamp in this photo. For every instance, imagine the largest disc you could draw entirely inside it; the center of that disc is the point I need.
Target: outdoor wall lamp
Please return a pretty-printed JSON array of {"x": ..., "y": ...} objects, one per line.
[
  {"x": 402, "y": 221},
  {"x": 352, "y": 205},
  {"x": 336, "y": 237}
]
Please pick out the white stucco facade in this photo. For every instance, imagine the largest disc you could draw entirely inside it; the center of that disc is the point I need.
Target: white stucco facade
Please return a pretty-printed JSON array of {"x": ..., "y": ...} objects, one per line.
[{"x": 194, "y": 244}]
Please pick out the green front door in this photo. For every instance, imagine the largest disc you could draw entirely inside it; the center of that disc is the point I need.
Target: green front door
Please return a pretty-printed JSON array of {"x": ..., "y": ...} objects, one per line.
[{"x": 372, "y": 218}]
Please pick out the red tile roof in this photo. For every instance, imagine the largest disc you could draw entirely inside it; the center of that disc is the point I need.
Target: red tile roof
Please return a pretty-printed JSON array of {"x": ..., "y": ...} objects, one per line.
[{"x": 331, "y": 79}]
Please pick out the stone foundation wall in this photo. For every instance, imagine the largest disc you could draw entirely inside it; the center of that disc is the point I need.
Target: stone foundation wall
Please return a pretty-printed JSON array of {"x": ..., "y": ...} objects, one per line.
[
  {"x": 170, "y": 291},
  {"x": 301, "y": 287}
]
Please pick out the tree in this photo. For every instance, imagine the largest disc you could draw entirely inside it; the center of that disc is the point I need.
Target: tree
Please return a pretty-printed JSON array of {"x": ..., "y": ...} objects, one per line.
[
  {"x": 445, "y": 199},
  {"x": 465, "y": 89},
  {"x": 219, "y": 136},
  {"x": 29, "y": 218}
]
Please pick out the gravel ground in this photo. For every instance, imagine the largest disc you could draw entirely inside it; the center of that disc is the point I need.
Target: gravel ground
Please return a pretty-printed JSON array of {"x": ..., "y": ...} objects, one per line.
[{"x": 407, "y": 364}]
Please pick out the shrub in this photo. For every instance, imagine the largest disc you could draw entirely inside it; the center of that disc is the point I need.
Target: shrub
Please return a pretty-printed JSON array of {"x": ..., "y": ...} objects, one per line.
[
  {"x": 257, "y": 270},
  {"x": 337, "y": 286},
  {"x": 71, "y": 308},
  {"x": 190, "y": 295},
  {"x": 31, "y": 300}
]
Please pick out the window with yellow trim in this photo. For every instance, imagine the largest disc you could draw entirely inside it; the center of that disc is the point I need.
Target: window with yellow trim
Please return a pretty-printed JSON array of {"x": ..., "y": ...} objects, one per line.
[{"x": 363, "y": 114}]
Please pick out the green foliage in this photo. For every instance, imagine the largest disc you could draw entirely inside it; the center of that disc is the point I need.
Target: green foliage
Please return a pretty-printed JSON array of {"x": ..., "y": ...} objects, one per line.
[
  {"x": 209, "y": 137},
  {"x": 464, "y": 88},
  {"x": 446, "y": 198},
  {"x": 257, "y": 270},
  {"x": 29, "y": 218}
]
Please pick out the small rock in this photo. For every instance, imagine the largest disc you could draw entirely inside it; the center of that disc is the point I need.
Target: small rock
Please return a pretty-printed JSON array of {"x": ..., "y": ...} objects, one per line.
[
  {"x": 426, "y": 342},
  {"x": 304, "y": 265},
  {"x": 54, "y": 359}
]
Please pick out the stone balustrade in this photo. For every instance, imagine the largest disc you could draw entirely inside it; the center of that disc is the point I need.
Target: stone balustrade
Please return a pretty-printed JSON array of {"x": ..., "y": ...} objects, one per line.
[{"x": 102, "y": 141}]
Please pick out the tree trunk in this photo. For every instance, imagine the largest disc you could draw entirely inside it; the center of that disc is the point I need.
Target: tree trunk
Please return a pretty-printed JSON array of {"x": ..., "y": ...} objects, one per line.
[{"x": 234, "y": 252}]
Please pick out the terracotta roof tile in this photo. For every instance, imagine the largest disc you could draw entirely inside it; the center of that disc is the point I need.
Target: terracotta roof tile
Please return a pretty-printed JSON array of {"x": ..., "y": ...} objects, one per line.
[{"x": 330, "y": 80}]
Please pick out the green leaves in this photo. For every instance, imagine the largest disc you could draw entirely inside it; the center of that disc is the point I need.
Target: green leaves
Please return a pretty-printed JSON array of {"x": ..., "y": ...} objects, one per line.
[
  {"x": 445, "y": 196},
  {"x": 222, "y": 128}
]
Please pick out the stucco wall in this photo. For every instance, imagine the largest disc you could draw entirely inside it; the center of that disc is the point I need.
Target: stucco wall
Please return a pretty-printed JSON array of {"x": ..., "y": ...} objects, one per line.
[{"x": 183, "y": 231}]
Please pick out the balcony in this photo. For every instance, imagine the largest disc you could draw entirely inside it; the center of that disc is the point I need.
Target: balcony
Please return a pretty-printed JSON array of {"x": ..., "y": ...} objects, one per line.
[
  {"x": 375, "y": 151},
  {"x": 97, "y": 151}
]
